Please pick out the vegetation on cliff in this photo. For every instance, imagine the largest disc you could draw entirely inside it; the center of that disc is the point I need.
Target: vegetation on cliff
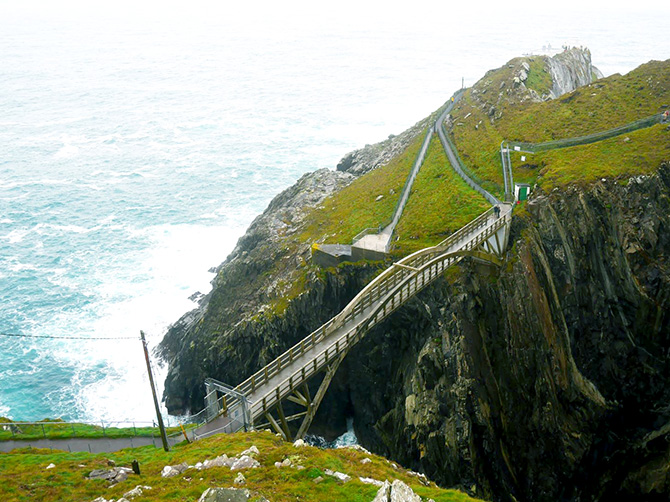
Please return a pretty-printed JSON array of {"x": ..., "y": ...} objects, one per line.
[{"x": 25, "y": 474}]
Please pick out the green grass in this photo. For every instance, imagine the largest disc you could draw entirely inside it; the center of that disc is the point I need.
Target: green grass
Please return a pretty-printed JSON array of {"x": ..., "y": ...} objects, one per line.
[
  {"x": 57, "y": 429},
  {"x": 24, "y": 478},
  {"x": 355, "y": 208},
  {"x": 539, "y": 78},
  {"x": 602, "y": 105},
  {"x": 641, "y": 154},
  {"x": 439, "y": 204}
]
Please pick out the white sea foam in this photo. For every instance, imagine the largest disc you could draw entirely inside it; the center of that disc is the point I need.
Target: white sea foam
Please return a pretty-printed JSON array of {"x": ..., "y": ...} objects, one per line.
[
  {"x": 67, "y": 152},
  {"x": 16, "y": 236},
  {"x": 20, "y": 267},
  {"x": 5, "y": 411},
  {"x": 174, "y": 267}
]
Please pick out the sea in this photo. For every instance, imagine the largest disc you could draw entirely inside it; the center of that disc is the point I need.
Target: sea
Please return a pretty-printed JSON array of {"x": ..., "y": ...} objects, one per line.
[{"x": 138, "y": 140}]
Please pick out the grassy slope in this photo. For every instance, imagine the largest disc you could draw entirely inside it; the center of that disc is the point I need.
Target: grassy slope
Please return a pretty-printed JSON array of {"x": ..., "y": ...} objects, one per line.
[
  {"x": 354, "y": 208},
  {"x": 605, "y": 104},
  {"x": 638, "y": 152},
  {"x": 440, "y": 203},
  {"x": 23, "y": 476}
]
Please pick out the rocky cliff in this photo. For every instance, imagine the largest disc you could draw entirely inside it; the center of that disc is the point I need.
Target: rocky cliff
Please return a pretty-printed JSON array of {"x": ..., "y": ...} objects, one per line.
[
  {"x": 571, "y": 69},
  {"x": 543, "y": 380},
  {"x": 548, "y": 379}
]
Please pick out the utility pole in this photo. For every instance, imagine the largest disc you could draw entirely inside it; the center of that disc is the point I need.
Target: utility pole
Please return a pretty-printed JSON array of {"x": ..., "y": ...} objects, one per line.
[{"x": 153, "y": 391}]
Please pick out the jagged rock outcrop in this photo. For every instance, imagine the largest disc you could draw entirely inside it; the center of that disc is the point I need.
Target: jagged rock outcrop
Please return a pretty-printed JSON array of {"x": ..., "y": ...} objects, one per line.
[
  {"x": 546, "y": 380},
  {"x": 571, "y": 69},
  {"x": 533, "y": 79},
  {"x": 235, "y": 331},
  {"x": 371, "y": 157}
]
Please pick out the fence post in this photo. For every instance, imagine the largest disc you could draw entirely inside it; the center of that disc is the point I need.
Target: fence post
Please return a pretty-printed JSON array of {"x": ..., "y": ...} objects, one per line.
[{"x": 43, "y": 433}]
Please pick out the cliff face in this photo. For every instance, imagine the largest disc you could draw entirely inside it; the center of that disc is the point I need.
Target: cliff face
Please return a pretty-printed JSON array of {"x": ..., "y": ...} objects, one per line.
[
  {"x": 571, "y": 69},
  {"x": 546, "y": 380}
]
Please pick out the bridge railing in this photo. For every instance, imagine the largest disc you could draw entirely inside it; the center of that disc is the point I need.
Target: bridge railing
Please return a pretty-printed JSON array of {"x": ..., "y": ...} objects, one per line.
[
  {"x": 399, "y": 288},
  {"x": 392, "y": 275}
]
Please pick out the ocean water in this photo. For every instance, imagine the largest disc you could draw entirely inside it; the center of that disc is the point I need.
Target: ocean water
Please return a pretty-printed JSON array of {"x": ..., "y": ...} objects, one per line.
[{"x": 137, "y": 146}]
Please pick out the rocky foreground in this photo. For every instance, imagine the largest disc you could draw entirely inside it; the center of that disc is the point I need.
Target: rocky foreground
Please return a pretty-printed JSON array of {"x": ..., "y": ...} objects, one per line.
[{"x": 244, "y": 467}]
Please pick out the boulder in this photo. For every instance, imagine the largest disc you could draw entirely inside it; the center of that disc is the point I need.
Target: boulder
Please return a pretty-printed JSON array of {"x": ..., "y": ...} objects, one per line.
[
  {"x": 338, "y": 475},
  {"x": 396, "y": 492},
  {"x": 51, "y": 466},
  {"x": 400, "y": 492},
  {"x": 299, "y": 443},
  {"x": 244, "y": 462},
  {"x": 251, "y": 451},
  {"x": 115, "y": 475},
  {"x": 220, "y": 461},
  {"x": 170, "y": 471},
  {"x": 224, "y": 495},
  {"x": 135, "y": 492},
  {"x": 384, "y": 493},
  {"x": 240, "y": 479}
]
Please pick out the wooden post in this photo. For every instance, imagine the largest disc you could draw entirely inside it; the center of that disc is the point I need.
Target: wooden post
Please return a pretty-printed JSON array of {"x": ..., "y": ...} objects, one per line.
[{"x": 153, "y": 391}]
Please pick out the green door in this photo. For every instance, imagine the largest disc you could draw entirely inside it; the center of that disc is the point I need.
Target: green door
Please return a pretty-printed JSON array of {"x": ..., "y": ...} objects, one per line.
[{"x": 523, "y": 193}]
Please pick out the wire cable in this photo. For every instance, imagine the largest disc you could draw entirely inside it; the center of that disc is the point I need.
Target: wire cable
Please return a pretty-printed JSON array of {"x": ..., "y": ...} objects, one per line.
[{"x": 16, "y": 335}]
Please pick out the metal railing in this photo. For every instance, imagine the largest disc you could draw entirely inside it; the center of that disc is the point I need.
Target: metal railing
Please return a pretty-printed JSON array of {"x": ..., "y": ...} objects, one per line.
[
  {"x": 409, "y": 182},
  {"x": 68, "y": 430},
  {"x": 589, "y": 138},
  {"x": 468, "y": 176},
  {"x": 404, "y": 195}
]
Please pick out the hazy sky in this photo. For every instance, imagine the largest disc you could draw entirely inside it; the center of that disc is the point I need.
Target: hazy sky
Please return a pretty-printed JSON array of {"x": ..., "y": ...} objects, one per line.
[{"x": 360, "y": 13}]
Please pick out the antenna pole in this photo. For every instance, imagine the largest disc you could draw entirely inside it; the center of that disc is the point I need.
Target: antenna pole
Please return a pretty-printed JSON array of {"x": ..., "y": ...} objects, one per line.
[{"x": 153, "y": 391}]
